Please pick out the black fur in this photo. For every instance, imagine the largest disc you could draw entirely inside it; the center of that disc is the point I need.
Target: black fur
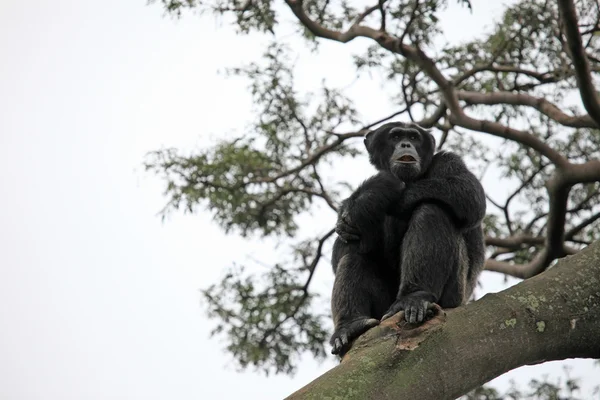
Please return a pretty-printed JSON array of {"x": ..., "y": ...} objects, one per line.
[{"x": 408, "y": 237}]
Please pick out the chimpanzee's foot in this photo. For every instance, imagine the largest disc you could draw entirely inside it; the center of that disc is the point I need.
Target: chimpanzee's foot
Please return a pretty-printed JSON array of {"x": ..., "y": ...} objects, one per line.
[
  {"x": 342, "y": 338},
  {"x": 415, "y": 306}
]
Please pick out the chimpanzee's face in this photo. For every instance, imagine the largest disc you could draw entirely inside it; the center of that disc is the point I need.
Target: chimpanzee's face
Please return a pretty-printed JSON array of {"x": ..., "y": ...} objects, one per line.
[{"x": 403, "y": 149}]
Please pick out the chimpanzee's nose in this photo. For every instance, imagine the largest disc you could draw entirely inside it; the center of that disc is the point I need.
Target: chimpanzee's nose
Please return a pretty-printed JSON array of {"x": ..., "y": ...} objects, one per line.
[{"x": 405, "y": 145}]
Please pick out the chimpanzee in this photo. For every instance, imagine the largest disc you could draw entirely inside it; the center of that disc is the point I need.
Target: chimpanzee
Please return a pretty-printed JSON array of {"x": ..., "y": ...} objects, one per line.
[{"x": 407, "y": 237}]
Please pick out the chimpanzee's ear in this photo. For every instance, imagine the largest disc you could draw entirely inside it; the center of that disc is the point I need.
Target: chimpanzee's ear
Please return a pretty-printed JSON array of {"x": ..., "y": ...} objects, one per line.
[
  {"x": 432, "y": 138},
  {"x": 368, "y": 139}
]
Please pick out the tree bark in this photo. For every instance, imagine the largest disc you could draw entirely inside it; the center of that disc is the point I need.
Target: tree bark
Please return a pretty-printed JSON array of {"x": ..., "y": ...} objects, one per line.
[{"x": 552, "y": 316}]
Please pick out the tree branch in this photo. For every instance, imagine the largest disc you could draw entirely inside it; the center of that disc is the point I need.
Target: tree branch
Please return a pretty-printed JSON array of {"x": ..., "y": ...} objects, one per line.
[
  {"x": 313, "y": 265},
  {"x": 497, "y": 129},
  {"x": 581, "y": 226},
  {"x": 383, "y": 16},
  {"x": 590, "y": 99},
  {"x": 541, "y": 77},
  {"x": 395, "y": 114},
  {"x": 413, "y": 14},
  {"x": 313, "y": 158},
  {"x": 318, "y": 30},
  {"x": 324, "y": 193},
  {"x": 558, "y": 194},
  {"x": 582, "y": 173},
  {"x": 364, "y": 15},
  {"x": 528, "y": 323},
  {"x": 520, "y": 99},
  {"x": 514, "y": 242}
]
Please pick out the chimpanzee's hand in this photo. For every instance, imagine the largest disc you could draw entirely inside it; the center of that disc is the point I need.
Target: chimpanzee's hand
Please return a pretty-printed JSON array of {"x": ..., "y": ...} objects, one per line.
[
  {"x": 346, "y": 226},
  {"x": 354, "y": 227},
  {"x": 361, "y": 215}
]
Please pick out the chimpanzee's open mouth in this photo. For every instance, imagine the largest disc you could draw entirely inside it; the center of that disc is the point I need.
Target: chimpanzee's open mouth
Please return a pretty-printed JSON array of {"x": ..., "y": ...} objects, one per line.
[{"x": 406, "y": 159}]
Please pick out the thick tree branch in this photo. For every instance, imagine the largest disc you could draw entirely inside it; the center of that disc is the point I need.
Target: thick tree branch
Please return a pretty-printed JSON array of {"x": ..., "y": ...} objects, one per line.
[
  {"x": 590, "y": 99},
  {"x": 528, "y": 323},
  {"x": 520, "y": 99},
  {"x": 558, "y": 194},
  {"x": 497, "y": 129},
  {"x": 521, "y": 271},
  {"x": 582, "y": 173}
]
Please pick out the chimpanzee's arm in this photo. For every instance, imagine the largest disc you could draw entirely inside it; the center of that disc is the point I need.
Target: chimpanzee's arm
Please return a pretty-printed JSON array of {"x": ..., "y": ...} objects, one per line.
[
  {"x": 450, "y": 185},
  {"x": 361, "y": 215}
]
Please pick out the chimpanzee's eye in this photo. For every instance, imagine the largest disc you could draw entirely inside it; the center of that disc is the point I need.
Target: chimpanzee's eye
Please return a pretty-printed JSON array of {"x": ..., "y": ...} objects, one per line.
[
  {"x": 395, "y": 137},
  {"x": 413, "y": 137}
]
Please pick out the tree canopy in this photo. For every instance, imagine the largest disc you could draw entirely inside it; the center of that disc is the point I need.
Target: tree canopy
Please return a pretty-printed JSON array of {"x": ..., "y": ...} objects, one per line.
[{"x": 520, "y": 100}]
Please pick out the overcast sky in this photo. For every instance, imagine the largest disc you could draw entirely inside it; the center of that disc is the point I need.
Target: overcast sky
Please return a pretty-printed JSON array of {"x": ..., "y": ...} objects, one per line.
[{"x": 99, "y": 298}]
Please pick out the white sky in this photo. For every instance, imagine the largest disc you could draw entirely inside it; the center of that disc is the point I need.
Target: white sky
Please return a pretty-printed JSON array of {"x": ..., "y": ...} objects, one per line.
[{"x": 98, "y": 298}]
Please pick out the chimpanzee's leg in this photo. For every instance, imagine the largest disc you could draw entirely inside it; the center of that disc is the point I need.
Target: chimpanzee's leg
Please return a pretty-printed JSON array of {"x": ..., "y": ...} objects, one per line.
[
  {"x": 361, "y": 293},
  {"x": 475, "y": 242},
  {"x": 433, "y": 264}
]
